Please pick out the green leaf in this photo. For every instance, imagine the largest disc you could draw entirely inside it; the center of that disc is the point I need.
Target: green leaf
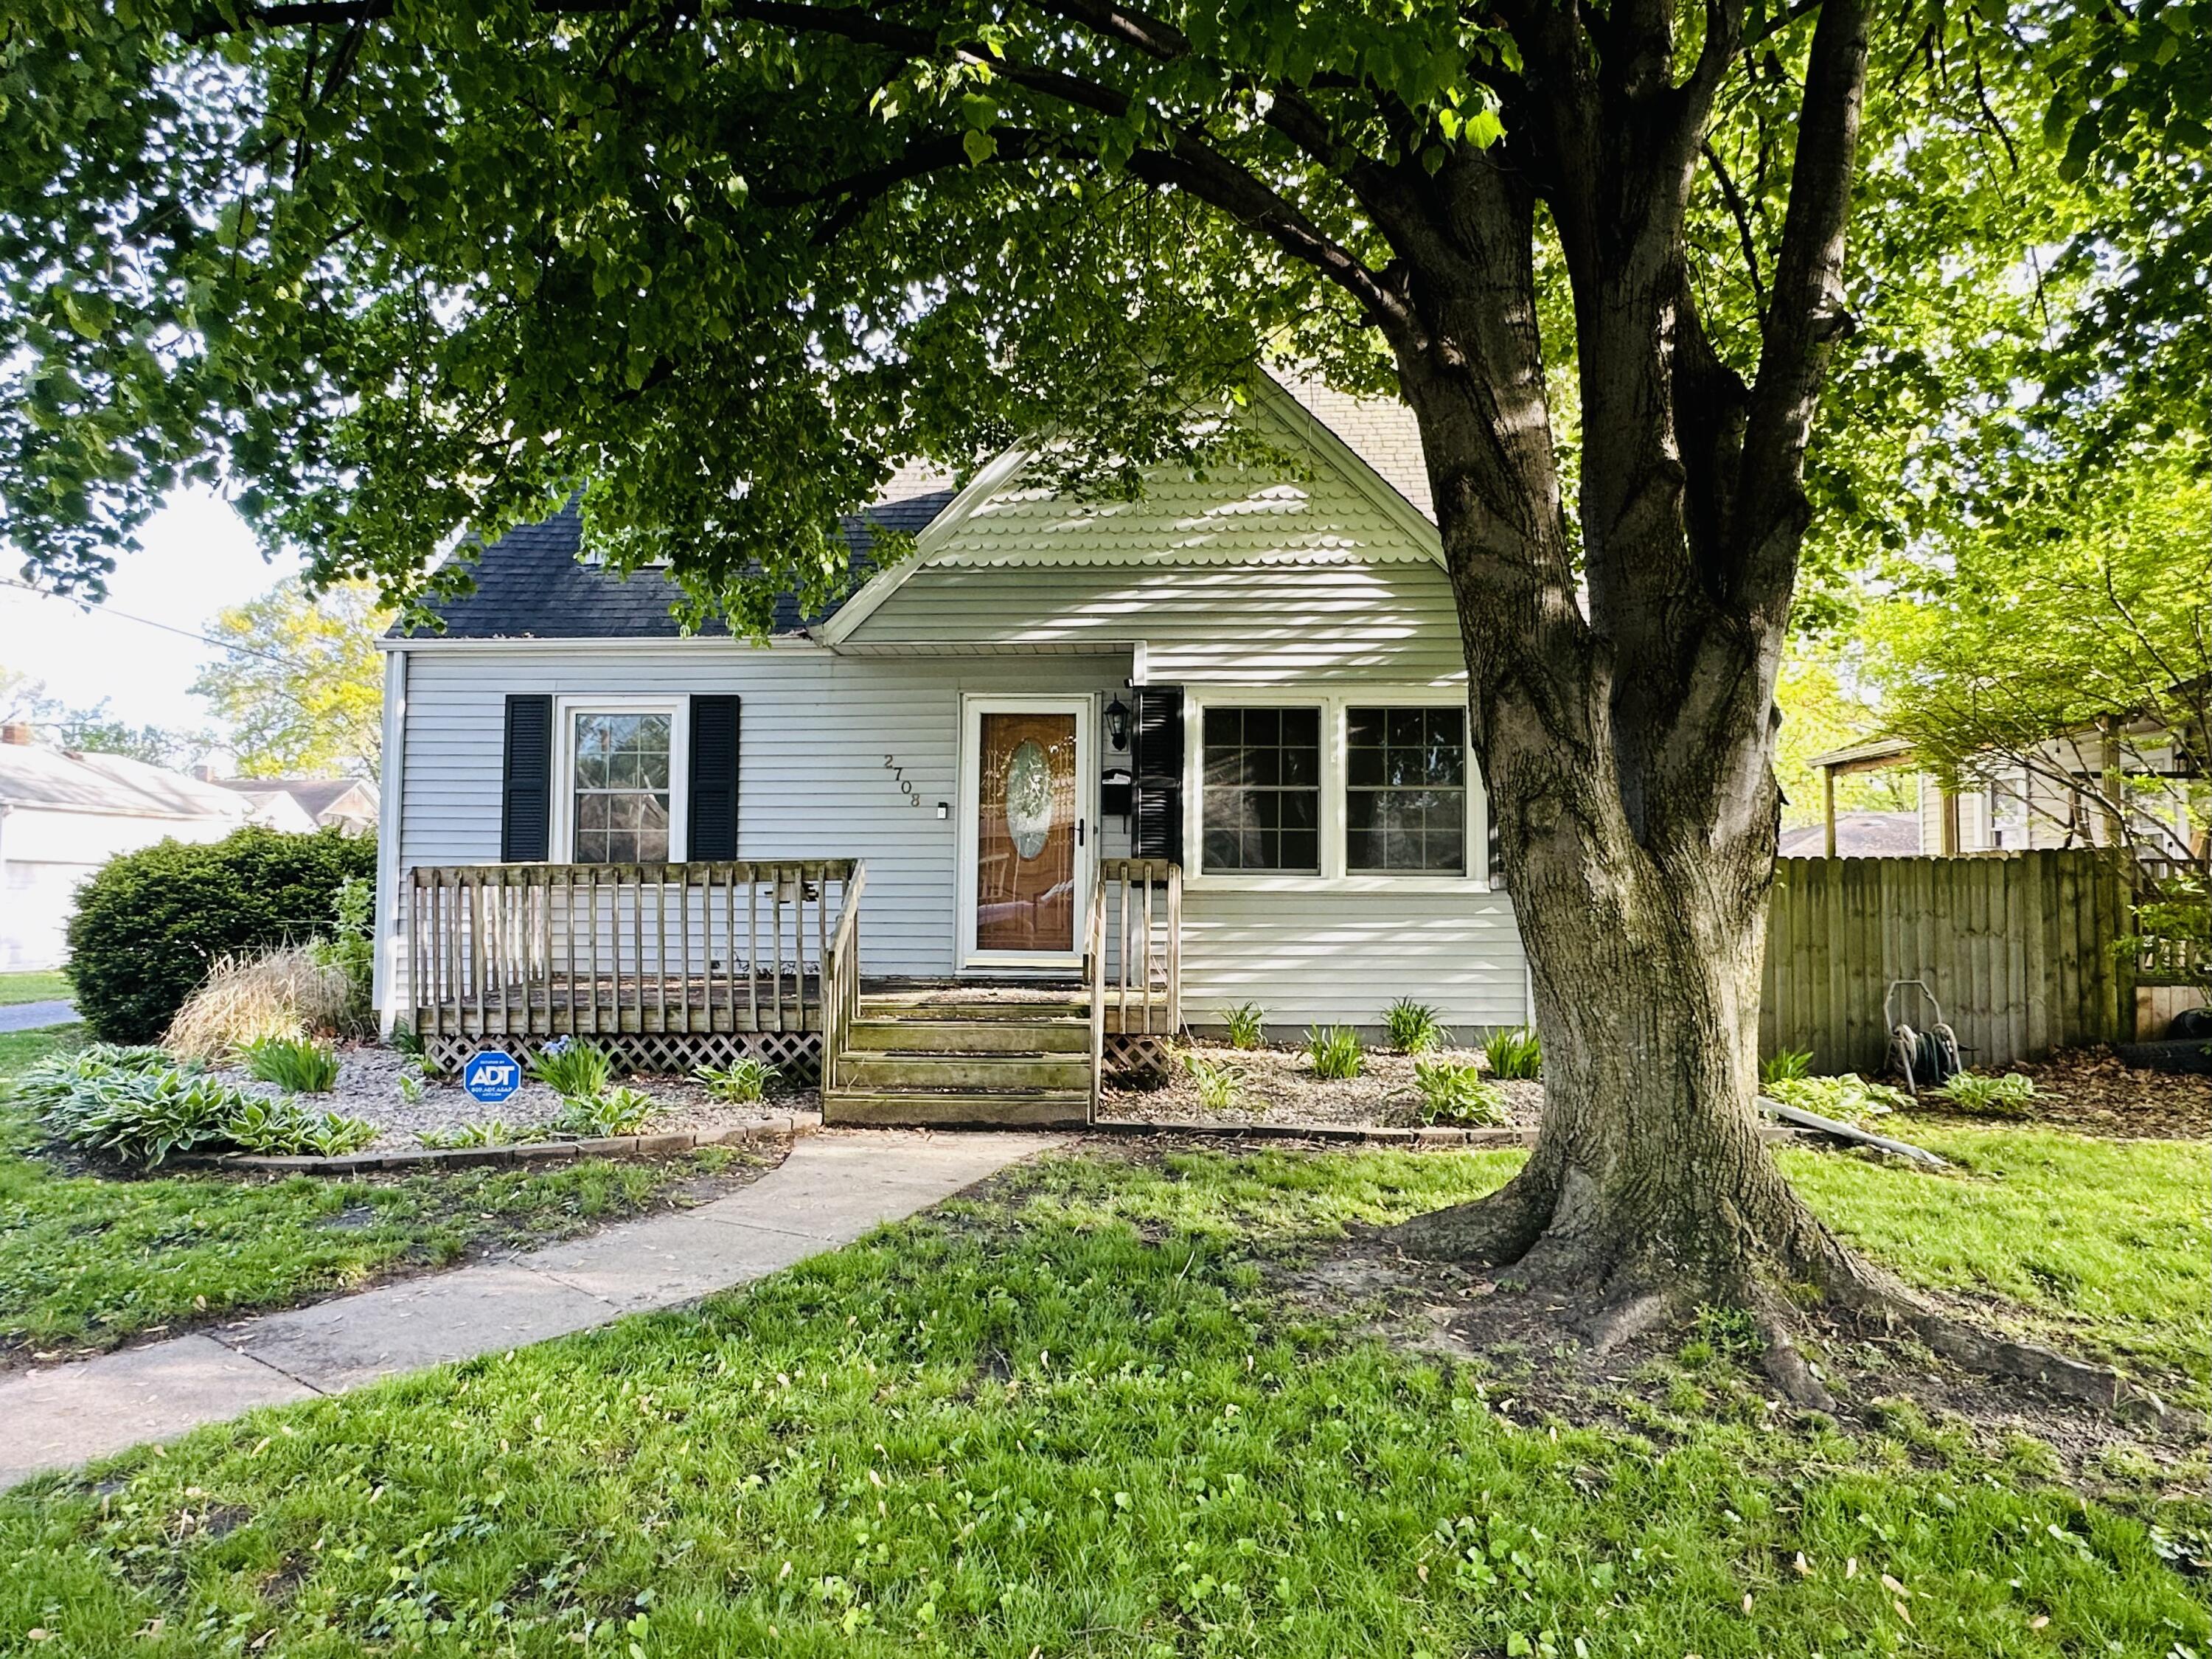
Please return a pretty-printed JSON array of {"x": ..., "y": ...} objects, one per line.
[{"x": 979, "y": 146}]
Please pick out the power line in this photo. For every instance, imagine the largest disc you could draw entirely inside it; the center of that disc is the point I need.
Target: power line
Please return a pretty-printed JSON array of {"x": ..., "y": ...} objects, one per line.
[{"x": 103, "y": 610}]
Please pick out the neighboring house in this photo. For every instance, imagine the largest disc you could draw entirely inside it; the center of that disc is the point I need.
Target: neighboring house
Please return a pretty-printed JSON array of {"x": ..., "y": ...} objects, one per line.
[
  {"x": 2013, "y": 807},
  {"x": 348, "y": 804},
  {"x": 64, "y": 814},
  {"x": 1863, "y": 834},
  {"x": 1200, "y": 749}
]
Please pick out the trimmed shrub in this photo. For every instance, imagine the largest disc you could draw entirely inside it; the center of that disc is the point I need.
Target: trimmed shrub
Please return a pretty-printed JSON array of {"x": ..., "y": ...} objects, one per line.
[{"x": 150, "y": 925}]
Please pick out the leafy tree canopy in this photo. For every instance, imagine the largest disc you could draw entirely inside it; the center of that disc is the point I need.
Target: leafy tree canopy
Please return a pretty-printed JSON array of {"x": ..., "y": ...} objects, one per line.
[
  {"x": 302, "y": 685},
  {"x": 2071, "y": 645},
  {"x": 96, "y": 729},
  {"x": 397, "y": 271}
]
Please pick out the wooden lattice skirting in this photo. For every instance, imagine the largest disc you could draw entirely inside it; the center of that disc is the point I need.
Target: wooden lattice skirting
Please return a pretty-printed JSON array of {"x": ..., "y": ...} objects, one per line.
[
  {"x": 796, "y": 1054},
  {"x": 1137, "y": 1055}
]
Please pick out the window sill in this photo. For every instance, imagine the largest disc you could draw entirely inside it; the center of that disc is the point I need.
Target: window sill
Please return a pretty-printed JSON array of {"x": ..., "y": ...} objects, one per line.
[{"x": 1248, "y": 882}]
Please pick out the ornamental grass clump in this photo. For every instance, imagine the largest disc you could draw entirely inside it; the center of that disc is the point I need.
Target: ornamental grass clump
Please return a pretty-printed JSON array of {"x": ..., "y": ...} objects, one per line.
[
  {"x": 1786, "y": 1067},
  {"x": 1334, "y": 1053},
  {"x": 288, "y": 993},
  {"x": 1513, "y": 1052},
  {"x": 573, "y": 1070},
  {"x": 1216, "y": 1082},
  {"x": 1413, "y": 1027},
  {"x": 1246, "y": 1025},
  {"x": 299, "y": 1066}
]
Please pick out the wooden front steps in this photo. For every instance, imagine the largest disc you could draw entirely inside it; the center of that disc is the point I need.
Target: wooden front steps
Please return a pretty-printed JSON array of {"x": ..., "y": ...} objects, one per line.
[{"x": 961, "y": 1055}]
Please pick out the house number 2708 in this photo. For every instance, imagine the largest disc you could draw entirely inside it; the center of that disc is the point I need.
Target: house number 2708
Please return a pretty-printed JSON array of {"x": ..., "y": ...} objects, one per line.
[{"x": 899, "y": 777}]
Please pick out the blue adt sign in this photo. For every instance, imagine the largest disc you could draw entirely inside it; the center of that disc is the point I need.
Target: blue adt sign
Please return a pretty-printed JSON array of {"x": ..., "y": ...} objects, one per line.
[{"x": 491, "y": 1076}]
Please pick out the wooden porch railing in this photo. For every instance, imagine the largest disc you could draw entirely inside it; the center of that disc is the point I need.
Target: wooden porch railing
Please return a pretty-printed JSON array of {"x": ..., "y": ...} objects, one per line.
[
  {"x": 1094, "y": 981},
  {"x": 529, "y": 950},
  {"x": 841, "y": 992},
  {"x": 1140, "y": 905}
]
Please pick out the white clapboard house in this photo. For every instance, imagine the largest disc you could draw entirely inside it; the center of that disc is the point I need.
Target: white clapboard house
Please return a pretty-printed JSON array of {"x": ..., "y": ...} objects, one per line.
[{"x": 1072, "y": 776}]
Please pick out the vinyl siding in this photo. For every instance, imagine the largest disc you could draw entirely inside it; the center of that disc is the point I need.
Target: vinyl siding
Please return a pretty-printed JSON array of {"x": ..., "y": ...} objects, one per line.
[
  {"x": 1342, "y": 957},
  {"x": 1382, "y": 622},
  {"x": 812, "y": 783}
]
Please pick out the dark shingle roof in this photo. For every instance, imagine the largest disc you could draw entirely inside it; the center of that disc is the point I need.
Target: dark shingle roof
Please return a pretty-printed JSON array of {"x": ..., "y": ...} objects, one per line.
[{"x": 531, "y": 585}]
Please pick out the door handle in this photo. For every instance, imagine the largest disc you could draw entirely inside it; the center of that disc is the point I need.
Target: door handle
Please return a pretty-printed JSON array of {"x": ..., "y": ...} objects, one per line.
[{"x": 1078, "y": 832}]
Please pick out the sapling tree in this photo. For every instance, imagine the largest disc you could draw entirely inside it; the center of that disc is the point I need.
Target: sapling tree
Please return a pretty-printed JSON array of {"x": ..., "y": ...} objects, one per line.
[{"x": 397, "y": 269}]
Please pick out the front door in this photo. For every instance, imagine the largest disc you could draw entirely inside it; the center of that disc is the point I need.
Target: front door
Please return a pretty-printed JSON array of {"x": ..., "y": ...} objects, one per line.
[{"x": 1025, "y": 853}]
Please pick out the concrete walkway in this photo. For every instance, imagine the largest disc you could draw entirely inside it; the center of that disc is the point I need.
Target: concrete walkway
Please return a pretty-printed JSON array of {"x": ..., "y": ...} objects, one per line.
[
  {"x": 829, "y": 1191},
  {"x": 34, "y": 1015}
]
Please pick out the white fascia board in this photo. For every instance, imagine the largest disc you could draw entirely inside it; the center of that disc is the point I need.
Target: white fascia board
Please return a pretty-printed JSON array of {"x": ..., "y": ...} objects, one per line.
[
  {"x": 573, "y": 642},
  {"x": 880, "y": 586}
]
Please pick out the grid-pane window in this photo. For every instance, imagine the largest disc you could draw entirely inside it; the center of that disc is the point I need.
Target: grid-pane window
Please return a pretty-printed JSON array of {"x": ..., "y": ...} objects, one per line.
[
  {"x": 620, "y": 792},
  {"x": 1262, "y": 778},
  {"x": 1405, "y": 799}
]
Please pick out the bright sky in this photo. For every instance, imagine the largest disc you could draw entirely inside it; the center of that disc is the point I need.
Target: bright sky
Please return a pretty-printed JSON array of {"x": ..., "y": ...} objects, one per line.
[{"x": 198, "y": 559}]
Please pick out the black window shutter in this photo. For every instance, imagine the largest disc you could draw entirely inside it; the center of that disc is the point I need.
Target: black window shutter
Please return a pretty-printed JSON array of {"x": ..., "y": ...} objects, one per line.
[
  {"x": 525, "y": 816},
  {"x": 1155, "y": 759},
  {"x": 713, "y": 815}
]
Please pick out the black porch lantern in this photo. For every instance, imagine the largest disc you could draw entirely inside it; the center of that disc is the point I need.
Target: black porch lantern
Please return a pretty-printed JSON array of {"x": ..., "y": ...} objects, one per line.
[{"x": 1117, "y": 724}]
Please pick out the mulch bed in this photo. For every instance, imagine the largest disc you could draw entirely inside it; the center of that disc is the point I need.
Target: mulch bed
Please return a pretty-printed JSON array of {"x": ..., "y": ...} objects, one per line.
[
  {"x": 2091, "y": 1091},
  {"x": 1279, "y": 1087},
  {"x": 368, "y": 1087}
]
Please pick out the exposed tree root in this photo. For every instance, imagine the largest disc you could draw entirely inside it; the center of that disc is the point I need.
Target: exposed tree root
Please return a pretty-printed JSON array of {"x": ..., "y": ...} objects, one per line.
[{"x": 1548, "y": 1229}]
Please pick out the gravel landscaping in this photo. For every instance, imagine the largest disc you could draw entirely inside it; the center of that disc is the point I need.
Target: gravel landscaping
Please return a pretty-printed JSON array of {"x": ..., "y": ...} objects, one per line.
[
  {"x": 368, "y": 1087},
  {"x": 1278, "y": 1086}
]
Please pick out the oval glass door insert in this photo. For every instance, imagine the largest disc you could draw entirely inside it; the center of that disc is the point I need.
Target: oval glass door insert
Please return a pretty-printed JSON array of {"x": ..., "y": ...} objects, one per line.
[{"x": 1029, "y": 798}]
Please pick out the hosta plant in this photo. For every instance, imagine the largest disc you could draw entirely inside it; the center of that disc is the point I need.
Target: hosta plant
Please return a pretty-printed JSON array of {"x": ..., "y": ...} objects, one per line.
[
  {"x": 1453, "y": 1093},
  {"x": 612, "y": 1111},
  {"x": 740, "y": 1083},
  {"x": 2008, "y": 1095}
]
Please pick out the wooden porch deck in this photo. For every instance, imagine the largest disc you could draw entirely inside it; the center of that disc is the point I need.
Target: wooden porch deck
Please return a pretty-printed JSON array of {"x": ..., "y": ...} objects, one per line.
[{"x": 676, "y": 965}]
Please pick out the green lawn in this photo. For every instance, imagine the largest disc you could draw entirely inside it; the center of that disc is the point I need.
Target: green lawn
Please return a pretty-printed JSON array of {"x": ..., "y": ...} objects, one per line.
[
  {"x": 1078, "y": 1418},
  {"x": 2099, "y": 1246},
  {"x": 89, "y": 1261},
  {"x": 52, "y": 986}
]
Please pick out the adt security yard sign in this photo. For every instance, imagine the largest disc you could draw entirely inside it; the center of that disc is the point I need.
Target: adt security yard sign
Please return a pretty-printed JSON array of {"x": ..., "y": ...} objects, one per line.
[{"x": 491, "y": 1076}]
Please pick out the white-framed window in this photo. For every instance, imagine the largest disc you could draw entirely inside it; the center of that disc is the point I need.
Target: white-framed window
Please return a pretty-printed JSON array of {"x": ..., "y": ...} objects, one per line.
[
  {"x": 1369, "y": 787},
  {"x": 621, "y": 778},
  {"x": 1405, "y": 791},
  {"x": 1261, "y": 807}
]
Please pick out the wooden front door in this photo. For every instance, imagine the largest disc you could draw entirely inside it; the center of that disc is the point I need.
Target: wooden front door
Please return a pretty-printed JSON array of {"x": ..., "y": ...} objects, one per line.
[{"x": 1026, "y": 837}]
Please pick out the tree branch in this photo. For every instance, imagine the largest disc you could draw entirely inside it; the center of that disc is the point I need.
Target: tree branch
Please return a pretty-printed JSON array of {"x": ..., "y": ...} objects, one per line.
[
  {"x": 1806, "y": 314},
  {"x": 1741, "y": 214}
]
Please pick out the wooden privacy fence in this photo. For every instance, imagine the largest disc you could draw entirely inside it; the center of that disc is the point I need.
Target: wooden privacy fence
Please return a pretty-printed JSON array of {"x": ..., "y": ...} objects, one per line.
[{"x": 2016, "y": 945}]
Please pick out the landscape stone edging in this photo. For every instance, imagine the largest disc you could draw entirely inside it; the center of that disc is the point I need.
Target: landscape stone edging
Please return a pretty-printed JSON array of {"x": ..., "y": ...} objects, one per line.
[
  {"x": 1375, "y": 1135},
  {"x": 663, "y": 1144}
]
